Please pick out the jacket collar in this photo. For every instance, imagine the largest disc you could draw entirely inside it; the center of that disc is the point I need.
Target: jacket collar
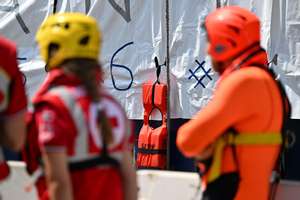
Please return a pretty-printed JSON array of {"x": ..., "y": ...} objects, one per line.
[
  {"x": 54, "y": 78},
  {"x": 255, "y": 56}
]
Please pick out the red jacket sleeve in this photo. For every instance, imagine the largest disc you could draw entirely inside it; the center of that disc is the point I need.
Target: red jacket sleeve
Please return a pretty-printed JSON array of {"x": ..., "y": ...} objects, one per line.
[
  {"x": 12, "y": 89},
  {"x": 55, "y": 133}
]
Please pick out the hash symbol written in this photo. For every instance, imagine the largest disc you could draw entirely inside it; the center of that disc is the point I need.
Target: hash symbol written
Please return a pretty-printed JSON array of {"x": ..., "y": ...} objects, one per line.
[{"x": 206, "y": 74}]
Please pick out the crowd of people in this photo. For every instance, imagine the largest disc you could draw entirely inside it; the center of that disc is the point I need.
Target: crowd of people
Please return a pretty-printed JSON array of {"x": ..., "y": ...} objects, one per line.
[{"x": 84, "y": 138}]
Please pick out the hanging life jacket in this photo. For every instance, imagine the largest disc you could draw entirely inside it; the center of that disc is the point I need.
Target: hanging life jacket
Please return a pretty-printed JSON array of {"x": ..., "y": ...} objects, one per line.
[
  {"x": 152, "y": 142},
  {"x": 31, "y": 153}
]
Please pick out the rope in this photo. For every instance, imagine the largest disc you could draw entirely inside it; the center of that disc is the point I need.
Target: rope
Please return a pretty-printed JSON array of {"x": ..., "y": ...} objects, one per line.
[
  {"x": 54, "y": 6},
  {"x": 168, "y": 83},
  {"x": 87, "y": 6},
  {"x": 218, "y": 3}
]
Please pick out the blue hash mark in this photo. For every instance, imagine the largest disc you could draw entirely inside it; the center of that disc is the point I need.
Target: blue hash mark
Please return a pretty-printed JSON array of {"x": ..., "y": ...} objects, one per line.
[
  {"x": 206, "y": 74},
  {"x": 112, "y": 65}
]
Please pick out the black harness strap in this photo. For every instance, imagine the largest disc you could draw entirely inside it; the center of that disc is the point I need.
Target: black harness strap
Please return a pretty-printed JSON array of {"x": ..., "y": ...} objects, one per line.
[
  {"x": 152, "y": 151},
  {"x": 94, "y": 162}
]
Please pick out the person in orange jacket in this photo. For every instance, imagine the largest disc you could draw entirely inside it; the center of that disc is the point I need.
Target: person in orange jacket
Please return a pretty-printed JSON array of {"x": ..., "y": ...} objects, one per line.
[
  {"x": 83, "y": 133},
  {"x": 237, "y": 137}
]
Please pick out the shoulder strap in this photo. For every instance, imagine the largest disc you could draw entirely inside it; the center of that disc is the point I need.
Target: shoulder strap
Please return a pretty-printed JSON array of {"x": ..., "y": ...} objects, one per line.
[
  {"x": 286, "y": 116},
  {"x": 286, "y": 105},
  {"x": 285, "y": 100}
]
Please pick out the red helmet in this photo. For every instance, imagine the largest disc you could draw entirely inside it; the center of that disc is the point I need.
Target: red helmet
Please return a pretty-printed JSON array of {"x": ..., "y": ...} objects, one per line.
[{"x": 231, "y": 30}]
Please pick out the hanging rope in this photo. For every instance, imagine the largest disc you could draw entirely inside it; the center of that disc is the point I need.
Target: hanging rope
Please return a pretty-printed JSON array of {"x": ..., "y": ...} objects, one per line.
[
  {"x": 168, "y": 84},
  {"x": 158, "y": 68},
  {"x": 218, "y": 3},
  {"x": 54, "y": 6},
  {"x": 87, "y": 6}
]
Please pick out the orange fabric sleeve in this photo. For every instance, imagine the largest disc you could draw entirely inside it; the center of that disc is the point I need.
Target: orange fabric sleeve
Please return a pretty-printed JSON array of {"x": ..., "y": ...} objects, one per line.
[{"x": 233, "y": 101}]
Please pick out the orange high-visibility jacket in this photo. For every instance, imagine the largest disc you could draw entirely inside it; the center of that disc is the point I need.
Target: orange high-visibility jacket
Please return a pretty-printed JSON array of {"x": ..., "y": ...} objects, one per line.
[{"x": 249, "y": 101}]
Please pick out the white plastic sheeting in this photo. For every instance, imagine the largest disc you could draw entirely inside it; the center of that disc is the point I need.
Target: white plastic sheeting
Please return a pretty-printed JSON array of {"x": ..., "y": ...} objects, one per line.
[
  {"x": 152, "y": 185},
  {"x": 134, "y": 32},
  {"x": 285, "y": 41}
]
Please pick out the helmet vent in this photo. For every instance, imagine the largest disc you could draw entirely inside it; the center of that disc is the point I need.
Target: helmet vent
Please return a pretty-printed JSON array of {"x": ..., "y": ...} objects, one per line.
[
  {"x": 219, "y": 48},
  {"x": 232, "y": 42},
  {"x": 56, "y": 25},
  {"x": 235, "y": 29},
  {"x": 67, "y": 26},
  {"x": 84, "y": 40},
  {"x": 52, "y": 49},
  {"x": 242, "y": 17}
]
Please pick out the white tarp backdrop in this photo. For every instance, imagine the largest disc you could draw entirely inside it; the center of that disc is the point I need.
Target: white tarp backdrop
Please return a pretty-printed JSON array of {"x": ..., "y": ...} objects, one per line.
[{"x": 135, "y": 31}]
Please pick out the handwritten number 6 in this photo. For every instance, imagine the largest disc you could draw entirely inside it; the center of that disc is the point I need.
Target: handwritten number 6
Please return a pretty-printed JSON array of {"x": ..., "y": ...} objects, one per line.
[{"x": 112, "y": 65}]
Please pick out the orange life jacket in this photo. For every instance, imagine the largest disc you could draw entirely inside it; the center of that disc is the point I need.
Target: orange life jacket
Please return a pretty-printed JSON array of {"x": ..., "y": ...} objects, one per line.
[{"x": 152, "y": 142}]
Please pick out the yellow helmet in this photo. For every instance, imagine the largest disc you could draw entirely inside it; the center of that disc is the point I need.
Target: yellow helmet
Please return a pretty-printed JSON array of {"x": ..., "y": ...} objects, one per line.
[{"x": 75, "y": 35}]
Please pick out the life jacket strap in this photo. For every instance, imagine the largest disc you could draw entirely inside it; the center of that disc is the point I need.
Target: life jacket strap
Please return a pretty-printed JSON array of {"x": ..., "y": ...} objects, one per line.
[
  {"x": 152, "y": 151},
  {"x": 249, "y": 139}
]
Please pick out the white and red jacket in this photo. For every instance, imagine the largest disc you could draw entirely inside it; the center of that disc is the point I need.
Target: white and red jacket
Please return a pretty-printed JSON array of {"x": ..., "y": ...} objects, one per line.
[
  {"x": 12, "y": 93},
  {"x": 67, "y": 120}
]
